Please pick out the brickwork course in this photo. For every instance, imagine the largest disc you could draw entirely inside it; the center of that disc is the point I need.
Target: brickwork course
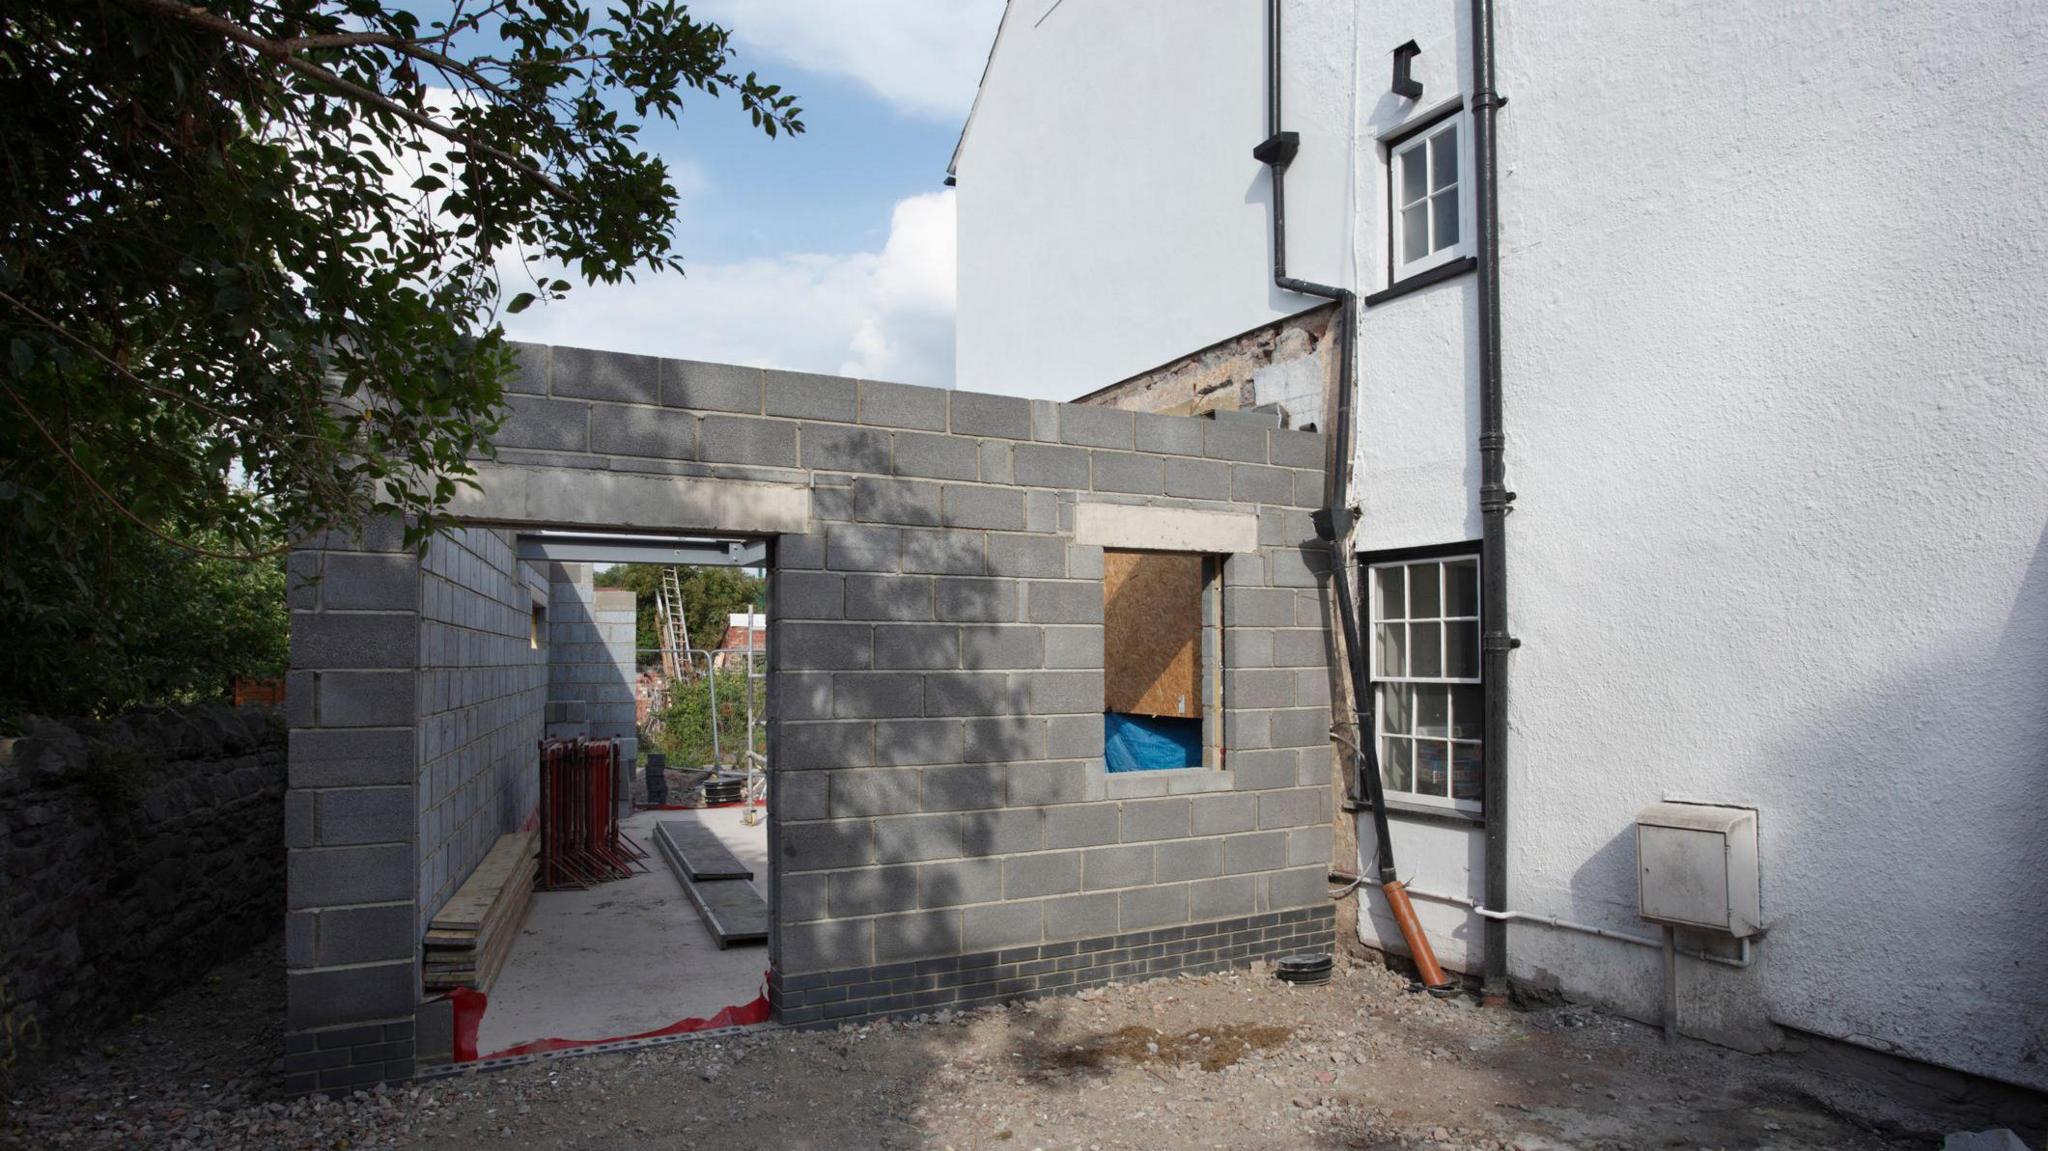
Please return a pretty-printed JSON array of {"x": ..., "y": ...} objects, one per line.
[{"x": 937, "y": 790}]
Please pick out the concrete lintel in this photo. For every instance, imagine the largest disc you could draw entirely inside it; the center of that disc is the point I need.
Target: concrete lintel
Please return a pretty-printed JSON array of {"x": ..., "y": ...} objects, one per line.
[
  {"x": 570, "y": 498},
  {"x": 1165, "y": 529}
]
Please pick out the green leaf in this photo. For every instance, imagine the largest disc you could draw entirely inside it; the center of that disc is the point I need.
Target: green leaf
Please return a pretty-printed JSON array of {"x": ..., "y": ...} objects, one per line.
[{"x": 520, "y": 302}]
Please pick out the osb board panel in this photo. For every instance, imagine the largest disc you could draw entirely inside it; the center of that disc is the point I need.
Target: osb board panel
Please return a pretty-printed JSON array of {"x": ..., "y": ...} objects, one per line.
[{"x": 1152, "y": 633}]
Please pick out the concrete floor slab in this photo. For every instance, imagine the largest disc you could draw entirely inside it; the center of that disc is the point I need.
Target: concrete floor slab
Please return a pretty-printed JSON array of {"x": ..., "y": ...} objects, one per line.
[{"x": 625, "y": 957}]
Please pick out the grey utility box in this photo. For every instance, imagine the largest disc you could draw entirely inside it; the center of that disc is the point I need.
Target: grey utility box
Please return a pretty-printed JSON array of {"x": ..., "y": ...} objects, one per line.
[{"x": 1697, "y": 867}]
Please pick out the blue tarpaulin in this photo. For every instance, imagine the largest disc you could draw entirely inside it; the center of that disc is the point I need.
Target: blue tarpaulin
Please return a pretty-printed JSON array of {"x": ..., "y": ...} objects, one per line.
[{"x": 1150, "y": 743}]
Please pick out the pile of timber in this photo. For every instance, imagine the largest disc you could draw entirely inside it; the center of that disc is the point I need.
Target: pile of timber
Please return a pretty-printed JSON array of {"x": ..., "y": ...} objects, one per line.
[{"x": 470, "y": 938}]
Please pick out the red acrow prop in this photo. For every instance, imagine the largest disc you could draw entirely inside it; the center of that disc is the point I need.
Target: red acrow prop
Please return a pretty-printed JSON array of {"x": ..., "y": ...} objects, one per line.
[{"x": 580, "y": 843}]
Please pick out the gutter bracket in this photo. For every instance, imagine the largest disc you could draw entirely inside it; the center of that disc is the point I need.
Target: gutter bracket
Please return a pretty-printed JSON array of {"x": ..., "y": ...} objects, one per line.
[{"x": 1277, "y": 150}]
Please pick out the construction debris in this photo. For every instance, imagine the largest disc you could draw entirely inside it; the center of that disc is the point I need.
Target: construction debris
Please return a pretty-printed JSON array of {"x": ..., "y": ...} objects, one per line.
[{"x": 471, "y": 936}]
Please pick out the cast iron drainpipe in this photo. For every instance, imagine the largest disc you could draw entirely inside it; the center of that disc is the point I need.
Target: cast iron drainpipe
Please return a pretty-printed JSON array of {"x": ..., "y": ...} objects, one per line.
[{"x": 1334, "y": 521}]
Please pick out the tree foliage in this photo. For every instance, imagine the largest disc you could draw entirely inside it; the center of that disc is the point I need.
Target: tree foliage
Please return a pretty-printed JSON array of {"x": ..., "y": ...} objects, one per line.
[
  {"x": 684, "y": 731},
  {"x": 711, "y": 596},
  {"x": 252, "y": 251}
]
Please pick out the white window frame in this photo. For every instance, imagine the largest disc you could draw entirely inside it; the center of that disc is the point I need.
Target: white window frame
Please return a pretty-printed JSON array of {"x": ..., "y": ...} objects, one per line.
[
  {"x": 1377, "y": 681},
  {"x": 1399, "y": 267}
]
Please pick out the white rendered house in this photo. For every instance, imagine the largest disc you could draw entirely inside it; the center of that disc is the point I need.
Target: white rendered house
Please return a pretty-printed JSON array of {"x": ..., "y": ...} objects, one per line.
[{"x": 1772, "y": 378}]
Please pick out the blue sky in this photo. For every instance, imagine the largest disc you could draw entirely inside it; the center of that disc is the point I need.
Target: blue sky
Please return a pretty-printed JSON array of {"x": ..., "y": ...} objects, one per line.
[{"x": 831, "y": 251}]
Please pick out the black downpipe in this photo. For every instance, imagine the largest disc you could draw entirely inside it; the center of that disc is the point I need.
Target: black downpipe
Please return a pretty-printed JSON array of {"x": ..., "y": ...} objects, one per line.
[
  {"x": 1494, "y": 498},
  {"x": 1333, "y": 522}
]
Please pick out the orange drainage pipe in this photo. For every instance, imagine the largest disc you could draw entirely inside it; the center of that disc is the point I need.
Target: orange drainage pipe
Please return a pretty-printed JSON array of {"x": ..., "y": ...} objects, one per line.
[{"x": 1419, "y": 949}]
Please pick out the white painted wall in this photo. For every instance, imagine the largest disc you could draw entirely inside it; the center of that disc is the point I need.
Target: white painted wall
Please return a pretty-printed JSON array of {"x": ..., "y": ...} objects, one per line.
[{"x": 1777, "y": 401}]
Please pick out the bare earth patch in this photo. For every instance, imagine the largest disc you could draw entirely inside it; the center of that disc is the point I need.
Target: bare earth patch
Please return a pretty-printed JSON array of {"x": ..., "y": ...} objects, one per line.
[{"x": 1237, "y": 1061}]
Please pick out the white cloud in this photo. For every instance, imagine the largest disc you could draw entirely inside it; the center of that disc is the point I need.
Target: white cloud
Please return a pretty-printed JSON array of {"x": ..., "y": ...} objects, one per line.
[
  {"x": 877, "y": 315},
  {"x": 922, "y": 56}
]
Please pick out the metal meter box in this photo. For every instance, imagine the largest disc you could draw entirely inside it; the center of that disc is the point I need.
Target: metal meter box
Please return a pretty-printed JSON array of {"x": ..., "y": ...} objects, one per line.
[{"x": 1697, "y": 867}]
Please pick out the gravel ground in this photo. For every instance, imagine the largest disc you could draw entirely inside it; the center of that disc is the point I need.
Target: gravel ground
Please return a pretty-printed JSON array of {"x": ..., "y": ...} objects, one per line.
[{"x": 1237, "y": 1060}]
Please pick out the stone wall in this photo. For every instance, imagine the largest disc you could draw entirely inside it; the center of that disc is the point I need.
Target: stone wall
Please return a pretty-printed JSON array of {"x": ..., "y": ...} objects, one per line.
[
  {"x": 1288, "y": 364},
  {"x": 134, "y": 855}
]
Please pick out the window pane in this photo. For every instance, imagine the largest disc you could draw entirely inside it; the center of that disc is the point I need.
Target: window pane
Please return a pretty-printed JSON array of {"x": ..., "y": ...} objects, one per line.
[
  {"x": 1468, "y": 772},
  {"x": 1393, "y": 593},
  {"x": 1395, "y": 769},
  {"x": 1412, "y": 174},
  {"x": 1423, "y": 601},
  {"x": 1468, "y": 713},
  {"x": 1443, "y": 159},
  {"x": 1461, "y": 588},
  {"x": 1433, "y": 711},
  {"x": 1446, "y": 219},
  {"x": 1425, "y": 650},
  {"x": 1392, "y": 642},
  {"x": 1432, "y": 767},
  {"x": 1394, "y": 709},
  {"x": 1461, "y": 649},
  {"x": 1414, "y": 233}
]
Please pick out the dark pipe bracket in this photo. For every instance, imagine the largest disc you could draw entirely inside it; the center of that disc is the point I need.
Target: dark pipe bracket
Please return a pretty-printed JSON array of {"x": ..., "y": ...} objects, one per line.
[{"x": 1405, "y": 85}]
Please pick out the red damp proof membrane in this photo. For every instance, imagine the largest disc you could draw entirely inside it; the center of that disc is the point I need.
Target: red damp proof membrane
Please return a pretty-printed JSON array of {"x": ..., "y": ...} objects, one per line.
[{"x": 469, "y": 1014}]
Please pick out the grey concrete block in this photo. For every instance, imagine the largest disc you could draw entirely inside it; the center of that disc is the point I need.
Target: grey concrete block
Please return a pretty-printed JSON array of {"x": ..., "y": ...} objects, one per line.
[
  {"x": 959, "y": 881},
  {"x": 530, "y": 369},
  {"x": 1309, "y": 846},
  {"x": 799, "y": 552},
  {"x": 1066, "y": 601},
  {"x": 1297, "y": 887},
  {"x": 905, "y": 742},
  {"x": 1081, "y": 825},
  {"x": 877, "y": 695},
  {"x": 1074, "y": 736},
  {"x": 1080, "y": 916},
  {"x": 963, "y": 787},
  {"x": 1045, "y": 420},
  {"x": 554, "y": 425},
  {"x": 803, "y": 896},
  {"x": 809, "y": 397},
  {"x": 997, "y": 646},
  {"x": 805, "y": 595},
  {"x": 1188, "y": 859},
  {"x": 849, "y": 548},
  {"x": 636, "y": 431},
  {"x": 1296, "y": 449},
  {"x": 1225, "y": 898},
  {"x": 969, "y": 694},
  {"x": 1154, "y": 819},
  {"x": 1309, "y": 490},
  {"x": 1244, "y": 729},
  {"x": 976, "y": 414},
  {"x": 917, "y": 935},
  {"x": 1248, "y": 647},
  {"x": 1259, "y": 687},
  {"x": 1042, "y": 513},
  {"x": 1024, "y": 555},
  {"x": 1294, "y": 807},
  {"x": 844, "y": 448},
  {"x": 1312, "y": 688},
  {"x": 1288, "y": 528},
  {"x": 1057, "y": 692},
  {"x": 944, "y": 552},
  {"x": 1254, "y": 851},
  {"x": 355, "y": 581},
  {"x": 872, "y": 891},
  {"x": 1257, "y": 769},
  {"x": 1224, "y": 812},
  {"x": 329, "y": 758},
  {"x": 1245, "y": 569},
  {"x": 984, "y": 507},
  {"x": 325, "y": 640},
  {"x": 977, "y": 600},
  {"x": 1095, "y": 427},
  {"x": 902, "y": 406},
  {"x": 1044, "y": 873},
  {"x": 937, "y": 457},
  {"x": 358, "y": 815},
  {"x": 1299, "y": 727},
  {"x": 815, "y": 646},
  {"x": 330, "y": 997},
  {"x": 1052, "y": 782},
  {"x": 825, "y": 846},
  {"x": 1044, "y": 466},
  {"x": 366, "y": 934},
  {"x": 1299, "y": 567},
  {"x": 1126, "y": 866},
  {"x": 299, "y": 826},
  {"x": 1084, "y": 561},
  {"x": 1245, "y": 607},
  {"x": 826, "y": 945},
  {"x": 1301, "y": 647},
  {"x": 914, "y": 838},
  {"x": 824, "y": 746},
  {"x": 1142, "y": 907},
  {"x": 1128, "y": 472},
  {"x": 1169, "y": 435},
  {"x": 916, "y": 647},
  {"x": 1197, "y": 479},
  {"x": 1000, "y": 832},
  {"x": 1074, "y": 647},
  {"x": 710, "y": 387},
  {"x": 800, "y": 795},
  {"x": 895, "y": 501},
  {"x": 302, "y": 580},
  {"x": 1232, "y": 440},
  {"x": 300, "y": 938},
  {"x": 332, "y": 876},
  {"x": 1004, "y": 739},
  {"x": 596, "y": 375},
  {"x": 989, "y": 926},
  {"x": 366, "y": 698},
  {"x": 993, "y": 458},
  {"x": 889, "y": 597},
  {"x": 744, "y": 440},
  {"x": 1251, "y": 483}
]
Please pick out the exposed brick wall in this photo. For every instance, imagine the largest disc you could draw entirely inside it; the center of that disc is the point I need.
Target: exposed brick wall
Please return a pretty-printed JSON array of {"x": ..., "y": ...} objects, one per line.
[
  {"x": 1290, "y": 363},
  {"x": 134, "y": 855}
]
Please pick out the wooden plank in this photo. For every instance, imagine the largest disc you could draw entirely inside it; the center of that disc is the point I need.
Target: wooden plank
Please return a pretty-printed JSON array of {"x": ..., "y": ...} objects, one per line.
[
  {"x": 1152, "y": 633},
  {"x": 472, "y": 901},
  {"x": 521, "y": 882},
  {"x": 703, "y": 854}
]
